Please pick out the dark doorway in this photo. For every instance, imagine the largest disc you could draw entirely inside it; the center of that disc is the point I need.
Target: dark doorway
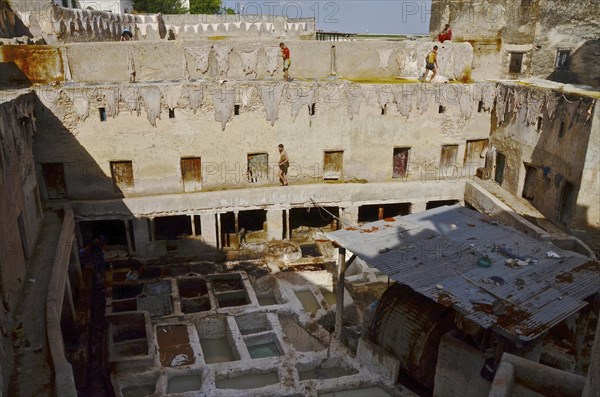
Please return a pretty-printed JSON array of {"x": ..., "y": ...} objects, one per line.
[
  {"x": 113, "y": 231},
  {"x": 252, "y": 220},
  {"x": 227, "y": 228},
  {"x": 439, "y": 203},
  {"x": 529, "y": 184},
  {"x": 375, "y": 212},
  {"x": 566, "y": 202},
  {"x": 172, "y": 227}
]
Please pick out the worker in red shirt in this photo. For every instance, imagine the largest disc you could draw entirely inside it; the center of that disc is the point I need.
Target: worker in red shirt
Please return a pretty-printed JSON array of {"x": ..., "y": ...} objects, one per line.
[
  {"x": 446, "y": 34},
  {"x": 285, "y": 53}
]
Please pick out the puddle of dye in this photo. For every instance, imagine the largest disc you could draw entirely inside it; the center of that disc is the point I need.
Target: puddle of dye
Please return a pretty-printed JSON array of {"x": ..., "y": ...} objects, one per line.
[
  {"x": 325, "y": 373},
  {"x": 267, "y": 300},
  {"x": 126, "y": 291},
  {"x": 298, "y": 336},
  {"x": 362, "y": 392},
  {"x": 132, "y": 348},
  {"x": 253, "y": 325},
  {"x": 232, "y": 300},
  {"x": 330, "y": 297},
  {"x": 174, "y": 346},
  {"x": 264, "y": 350},
  {"x": 309, "y": 303},
  {"x": 182, "y": 384},
  {"x": 216, "y": 350},
  {"x": 248, "y": 381},
  {"x": 138, "y": 391},
  {"x": 197, "y": 305}
]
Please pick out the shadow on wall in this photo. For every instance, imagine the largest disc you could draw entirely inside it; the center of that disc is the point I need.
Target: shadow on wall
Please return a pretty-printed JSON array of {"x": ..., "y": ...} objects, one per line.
[
  {"x": 73, "y": 174},
  {"x": 11, "y": 75},
  {"x": 583, "y": 66}
]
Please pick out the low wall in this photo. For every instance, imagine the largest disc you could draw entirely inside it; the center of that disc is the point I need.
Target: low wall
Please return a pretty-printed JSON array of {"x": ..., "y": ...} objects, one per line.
[
  {"x": 176, "y": 60},
  {"x": 64, "y": 382},
  {"x": 65, "y": 25}
]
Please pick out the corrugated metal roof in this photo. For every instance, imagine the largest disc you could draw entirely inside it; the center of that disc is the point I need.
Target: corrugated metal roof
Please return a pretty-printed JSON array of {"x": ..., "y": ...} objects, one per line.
[{"x": 441, "y": 247}]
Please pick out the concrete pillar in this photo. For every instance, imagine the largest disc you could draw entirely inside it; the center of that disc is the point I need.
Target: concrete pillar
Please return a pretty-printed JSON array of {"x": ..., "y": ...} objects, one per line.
[
  {"x": 288, "y": 228},
  {"x": 193, "y": 224},
  {"x": 504, "y": 381},
  {"x": 128, "y": 235},
  {"x": 141, "y": 233},
  {"x": 209, "y": 229},
  {"x": 349, "y": 216},
  {"x": 418, "y": 206},
  {"x": 152, "y": 230},
  {"x": 339, "y": 305},
  {"x": 380, "y": 213},
  {"x": 274, "y": 224},
  {"x": 219, "y": 234}
]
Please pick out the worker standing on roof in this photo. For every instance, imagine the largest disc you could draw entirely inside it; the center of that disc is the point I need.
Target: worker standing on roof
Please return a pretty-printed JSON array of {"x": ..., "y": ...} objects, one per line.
[
  {"x": 430, "y": 64},
  {"x": 285, "y": 54},
  {"x": 445, "y": 34}
]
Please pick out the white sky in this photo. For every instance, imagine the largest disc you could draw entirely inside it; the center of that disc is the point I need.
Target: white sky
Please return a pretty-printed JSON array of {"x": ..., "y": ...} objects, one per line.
[{"x": 348, "y": 16}]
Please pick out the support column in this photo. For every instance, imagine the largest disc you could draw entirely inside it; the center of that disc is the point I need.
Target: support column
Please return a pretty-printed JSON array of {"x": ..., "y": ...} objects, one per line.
[
  {"x": 418, "y": 206},
  {"x": 128, "y": 235},
  {"x": 152, "y": 230},
  {"x": 209, "y": 229},
  {"x": 339, "y": 306},
  {"x": 349, "y": 217},
  {"x": 274, "y": 224},
  {"x": 193, "y": 225},
  {"x": 219, "y": 234},
  {"x": 380, "y": 212},
  {"x": 288, "y": 228},
  {"x": 141, "y": 234}
]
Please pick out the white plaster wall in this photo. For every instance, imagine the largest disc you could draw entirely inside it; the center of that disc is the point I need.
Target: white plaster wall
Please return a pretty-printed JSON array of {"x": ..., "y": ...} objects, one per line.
[
  {"x": 368, "y": 140},
  {"x": 156, "y": 61}
]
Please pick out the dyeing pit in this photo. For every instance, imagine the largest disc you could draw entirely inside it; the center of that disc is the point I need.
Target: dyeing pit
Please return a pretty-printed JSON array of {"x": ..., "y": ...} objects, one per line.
[
  {"x": 374, "y": 391},
  {"x": 127, "y": 291},
  {"x": 138, "y": 391},
  {"x": 194, "y": 295},
  {"x": 325, "y": 373},
  {"x": 192, "y": 287},
  {"x": 215, "y": 342},
  {"x": 308, "y": 300},
  {"x": 156, "y": 299},
  {"x": 264, "y": 345},
  {"x": 267, "y": 300},
  {"x": 228, "y": 283},
  {"x": 234, "y": 298},
  {"x": 253, "y": 381},
  {"x": 174, "y": 345},
  {"x": 253, "y": 323},
  {"x": 183, "y": 384},
  {"x": 310, "y": 250},
  {"x": 298, "y": 336},
  {"x": 330, "y": 297}
]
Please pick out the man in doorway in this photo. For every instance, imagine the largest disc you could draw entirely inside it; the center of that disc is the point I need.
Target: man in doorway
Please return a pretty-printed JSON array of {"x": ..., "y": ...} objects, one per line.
[
  {"x": 242, "y": 236},
  {"x": 445, "y": 34},
  {"x": 430, "y": 64},
  {"x": 285, "y": 54},
  {"x": 284, "y": 164}
]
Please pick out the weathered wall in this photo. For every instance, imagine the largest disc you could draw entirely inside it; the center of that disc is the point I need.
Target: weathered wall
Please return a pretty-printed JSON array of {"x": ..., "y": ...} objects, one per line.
[
  {"x": 572, "y": 157},
  {"x": 158, "y": 61},
  {"x": 64, "y": 25},
  {"x": 25, "y": 64},
  {"x": 536, "y": 28},
  {"x": 20, "y": 213},
  {"x": 194, "y": 26},
  {"x": 562, "y": 26},
  {"x": 367, "y": 138}
]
